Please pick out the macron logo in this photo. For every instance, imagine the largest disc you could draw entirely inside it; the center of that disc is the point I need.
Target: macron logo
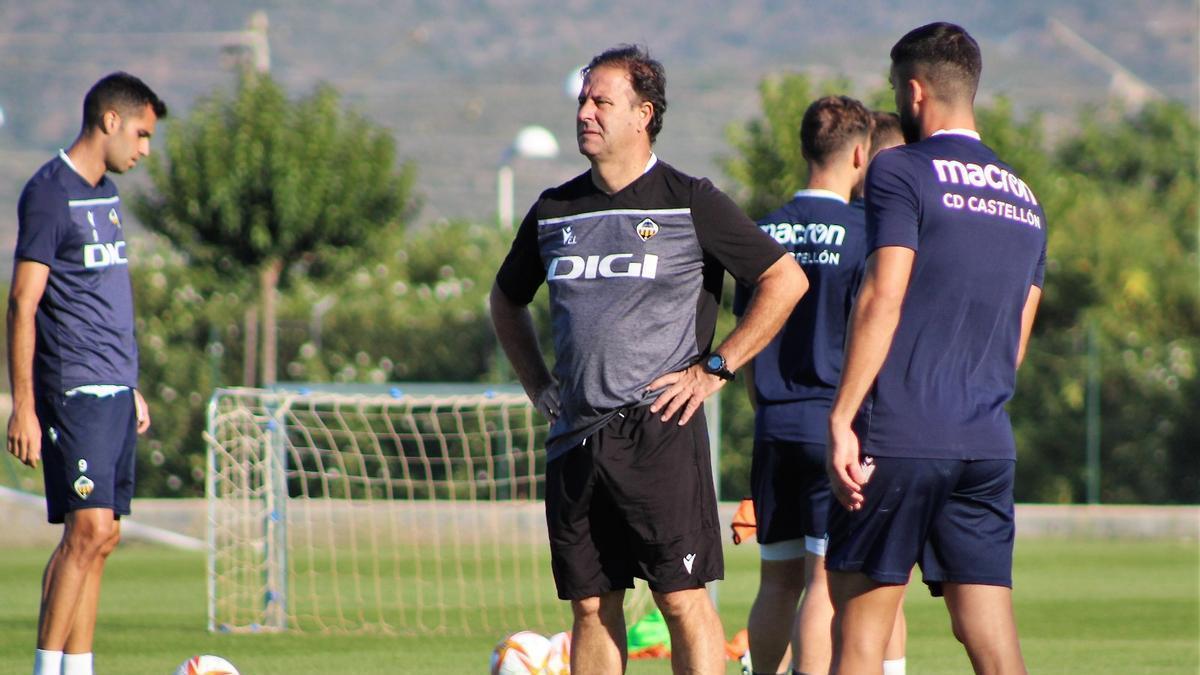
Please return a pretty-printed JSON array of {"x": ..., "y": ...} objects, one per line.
[
  {"x": 990, "y": 175},
  {"x": 688, "y": 560}
]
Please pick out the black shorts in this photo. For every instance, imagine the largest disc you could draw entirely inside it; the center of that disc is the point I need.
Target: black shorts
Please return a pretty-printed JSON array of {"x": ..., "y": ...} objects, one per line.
[
  {"x": 953, "y": 517},
  {"x": 635, "y": 499},
  {"x": 790, "y": 489},
  {"x": 88, "y": 450}
]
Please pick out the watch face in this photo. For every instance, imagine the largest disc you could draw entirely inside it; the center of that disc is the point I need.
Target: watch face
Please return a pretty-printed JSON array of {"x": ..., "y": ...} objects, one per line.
[{"x": 715, "y": 362}]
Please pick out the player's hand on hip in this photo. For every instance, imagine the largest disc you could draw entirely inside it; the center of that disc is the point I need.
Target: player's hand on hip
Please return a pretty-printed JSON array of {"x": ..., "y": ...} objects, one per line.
[
  {"x": 685, "y": 392},
  {"x": 25, "y": 437},
  {"x": 142, "y": 410},
  {"x": 549, "y": 402},
  {"x": 847, "y": 473}
]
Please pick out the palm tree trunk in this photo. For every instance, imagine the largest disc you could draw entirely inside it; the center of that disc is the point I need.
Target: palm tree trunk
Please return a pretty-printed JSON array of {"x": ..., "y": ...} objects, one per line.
[
  {"x": 268, "y": 287},
  {"x": 250, "y": 340}
]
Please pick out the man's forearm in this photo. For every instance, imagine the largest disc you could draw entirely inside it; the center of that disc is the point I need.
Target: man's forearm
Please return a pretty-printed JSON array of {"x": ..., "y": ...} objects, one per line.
[
  {"x": 514, "y": 329},
  {"x": 22, "y": 334},
  {"x": 775, "y": 295}
]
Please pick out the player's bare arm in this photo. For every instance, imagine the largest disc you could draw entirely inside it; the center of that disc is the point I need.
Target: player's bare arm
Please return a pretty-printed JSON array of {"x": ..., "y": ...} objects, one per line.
[
  {"x": 776, "y": 292},
  {"x": 24, "y": 431},
  {"x": 873, "y": 323},
  {"x": 143, "y": 412},
  {"x": 1027, "y": 315},
  {"x": 514, "y": 329}
]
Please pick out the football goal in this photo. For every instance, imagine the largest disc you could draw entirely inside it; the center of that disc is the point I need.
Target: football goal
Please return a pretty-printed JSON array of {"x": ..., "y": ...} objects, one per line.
[
  {"x": 407, "y": 510},
  {"x": 414, "y": 509}
]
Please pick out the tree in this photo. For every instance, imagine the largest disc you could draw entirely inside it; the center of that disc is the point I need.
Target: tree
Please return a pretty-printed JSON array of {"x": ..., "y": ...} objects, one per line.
[
  {"x": 767, "y": 163},
  {"x": 412, "y": 307},
  {"x": 189, "y": 343},
  {"x": 254, "y": 181},
  {"x": 1125, "y": 244}
]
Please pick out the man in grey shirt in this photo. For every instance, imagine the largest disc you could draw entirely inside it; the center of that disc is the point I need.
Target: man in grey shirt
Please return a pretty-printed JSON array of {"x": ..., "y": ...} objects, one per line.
[{"x": 634, "y": 253}]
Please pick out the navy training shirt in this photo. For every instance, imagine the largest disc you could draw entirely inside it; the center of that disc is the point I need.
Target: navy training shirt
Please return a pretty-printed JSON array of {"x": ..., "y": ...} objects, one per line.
[
  {"x": 85, "y": 330},
  {"x": 797, "y": 373},
  {"x": 980, "y": 241}
]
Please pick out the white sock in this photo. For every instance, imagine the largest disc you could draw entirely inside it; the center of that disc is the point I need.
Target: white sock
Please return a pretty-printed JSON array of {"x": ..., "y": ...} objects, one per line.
[
  {"x": 47, "y": 662},
  {"x": 77, "y": 664},
  {"x": 893, "y": 667}
]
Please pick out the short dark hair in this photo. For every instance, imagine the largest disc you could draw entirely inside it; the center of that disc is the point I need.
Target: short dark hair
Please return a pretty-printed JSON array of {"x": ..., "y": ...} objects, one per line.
[
  {"x": 122, "y": 92},
  {"x": 945, "y": 55},
  {"x": 647, "y": 76},
  {"x": 830, "y": 124},
  {"x": 887, "y": 125}
]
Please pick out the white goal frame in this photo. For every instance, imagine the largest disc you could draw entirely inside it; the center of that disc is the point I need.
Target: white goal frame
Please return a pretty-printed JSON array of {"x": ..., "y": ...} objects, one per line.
[{"x": 414, "y": 508}]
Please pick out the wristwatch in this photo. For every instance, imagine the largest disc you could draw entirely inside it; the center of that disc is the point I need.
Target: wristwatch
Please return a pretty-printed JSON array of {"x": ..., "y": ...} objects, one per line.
[{"x": 714, "y": 364}]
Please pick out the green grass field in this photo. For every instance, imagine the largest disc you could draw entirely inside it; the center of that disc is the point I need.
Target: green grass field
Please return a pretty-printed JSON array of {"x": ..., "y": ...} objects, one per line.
[{"x": 1083, "y": 606}]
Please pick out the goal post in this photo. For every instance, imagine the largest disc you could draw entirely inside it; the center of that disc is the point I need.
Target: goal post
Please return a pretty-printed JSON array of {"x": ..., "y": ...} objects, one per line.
[{"x": 413, "y": 508}]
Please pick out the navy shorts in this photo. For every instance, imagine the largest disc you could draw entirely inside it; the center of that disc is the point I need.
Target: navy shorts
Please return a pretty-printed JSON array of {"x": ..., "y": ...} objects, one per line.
[
  {"x": 952, "y": 517},
  {"x": 790, "y": 489},
  {"x": 636, "y": 499},
  {"x": 88, "y": 450}
]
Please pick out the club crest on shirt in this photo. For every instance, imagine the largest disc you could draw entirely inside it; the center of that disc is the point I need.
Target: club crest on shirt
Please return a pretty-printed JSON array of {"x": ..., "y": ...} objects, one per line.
[
  {"x": 114, "y": 218},
  {"x": 646, "y": 229},
  {"x": 83, "y": 487},
  {"x": 52, "y": 433}
]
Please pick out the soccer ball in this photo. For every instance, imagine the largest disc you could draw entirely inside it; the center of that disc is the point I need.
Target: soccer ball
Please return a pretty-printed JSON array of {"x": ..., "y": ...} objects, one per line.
[
  {"x": 522, "y": 653},
  {"x": 747, "y": 665},
  {"x": 206, "y": 664},
  {"x": 559, "y": 660}
]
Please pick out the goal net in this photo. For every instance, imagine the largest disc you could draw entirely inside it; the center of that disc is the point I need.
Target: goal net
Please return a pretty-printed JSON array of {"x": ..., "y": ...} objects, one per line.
[{"x": 408, "y": 511}]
